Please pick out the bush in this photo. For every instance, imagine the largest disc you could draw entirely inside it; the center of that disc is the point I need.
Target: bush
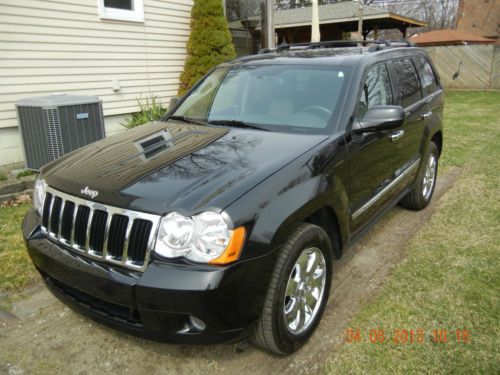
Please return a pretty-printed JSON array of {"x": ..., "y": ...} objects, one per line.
[
  {"x": 151, "y": 110},
  {"x": 210, "y": 42},
  {"x": 25, "y": 173}
]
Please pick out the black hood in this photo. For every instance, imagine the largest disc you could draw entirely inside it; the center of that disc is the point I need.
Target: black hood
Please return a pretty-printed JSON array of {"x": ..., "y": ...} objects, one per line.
[{"x": 188, "y": 168}]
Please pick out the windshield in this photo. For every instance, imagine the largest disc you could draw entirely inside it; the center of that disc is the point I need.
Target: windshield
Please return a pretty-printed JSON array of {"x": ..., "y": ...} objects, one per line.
[{"x": 273, "y": 97}]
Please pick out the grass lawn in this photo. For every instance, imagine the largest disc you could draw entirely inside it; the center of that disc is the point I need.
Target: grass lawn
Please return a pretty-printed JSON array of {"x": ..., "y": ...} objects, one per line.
[
  {"x": 16, "y": 270},
  {"x": 450, "y": 279}
]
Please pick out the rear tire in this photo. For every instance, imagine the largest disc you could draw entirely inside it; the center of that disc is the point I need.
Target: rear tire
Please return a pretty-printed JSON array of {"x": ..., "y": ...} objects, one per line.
[
  {"x": 421, "y": 195},
  {"x": 298, "y": 291}
]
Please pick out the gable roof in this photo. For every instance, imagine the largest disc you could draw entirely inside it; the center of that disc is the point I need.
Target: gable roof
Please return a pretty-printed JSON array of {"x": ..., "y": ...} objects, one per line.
[
  {"x": 333, "y": 13},
  {"x": 448, "y": 36},
  {"x": 346, "y": 11}
]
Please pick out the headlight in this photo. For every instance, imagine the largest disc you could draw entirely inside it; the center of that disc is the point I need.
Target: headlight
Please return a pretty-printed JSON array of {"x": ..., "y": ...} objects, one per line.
[
  {"x": 202, "y": 238},
  {"x": 39, "y": 191}
]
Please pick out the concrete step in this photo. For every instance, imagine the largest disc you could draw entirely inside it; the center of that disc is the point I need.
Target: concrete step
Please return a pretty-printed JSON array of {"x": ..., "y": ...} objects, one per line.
[
  {"x": 12, "y": 186},
  {"x": 19, "y": 196},
  {"x": 29, "y": 181}
]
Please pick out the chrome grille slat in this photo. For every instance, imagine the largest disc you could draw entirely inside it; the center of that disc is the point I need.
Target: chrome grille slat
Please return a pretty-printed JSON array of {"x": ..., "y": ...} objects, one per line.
[
  {"x": 89, "y": 224},
  {"x": 98, "y": 230},
  {"x": 139, "y": 240},
  {"x": 81, "y": 227},
  {"x": 72, "y": 239},
  {"x": 67, "y": 221},
  {"x": 101, "y": 225},
  {"x": 45, "y": 211},
  {"x": 63, "y": 204},
  {"x": 49, "y": 223},
  {"x": 106, "y": 234},
  {"x": 127, "y": 241},
  {"x": 55, "y": 216}
]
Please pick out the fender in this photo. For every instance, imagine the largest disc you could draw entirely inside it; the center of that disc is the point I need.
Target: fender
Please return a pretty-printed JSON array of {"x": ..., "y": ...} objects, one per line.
[{"x": 315, "y": 180}]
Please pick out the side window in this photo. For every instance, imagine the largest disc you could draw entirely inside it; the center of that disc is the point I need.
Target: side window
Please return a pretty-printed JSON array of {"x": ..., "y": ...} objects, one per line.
[
  {"x": 376, "y": 89},
  {"x": 427, "y": 77},
  {"x": 409, "y": 84}
]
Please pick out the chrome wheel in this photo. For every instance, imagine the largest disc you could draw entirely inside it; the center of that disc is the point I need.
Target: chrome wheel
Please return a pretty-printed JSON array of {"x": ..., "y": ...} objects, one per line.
[
  {"x": 305, "y": 290},
  {"x": 429, "y": 176}
]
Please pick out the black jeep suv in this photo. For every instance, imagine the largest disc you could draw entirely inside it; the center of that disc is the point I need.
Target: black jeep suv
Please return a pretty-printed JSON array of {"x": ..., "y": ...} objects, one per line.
[{"x": 222, "y": 220}]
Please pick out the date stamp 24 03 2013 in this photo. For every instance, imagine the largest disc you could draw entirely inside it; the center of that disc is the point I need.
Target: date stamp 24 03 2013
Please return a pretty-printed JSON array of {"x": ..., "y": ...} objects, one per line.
[{"x": 407, "y": 336}]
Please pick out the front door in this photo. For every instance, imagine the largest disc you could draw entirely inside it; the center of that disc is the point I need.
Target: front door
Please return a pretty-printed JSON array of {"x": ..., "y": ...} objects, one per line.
[{"x": 375, "y": 158}]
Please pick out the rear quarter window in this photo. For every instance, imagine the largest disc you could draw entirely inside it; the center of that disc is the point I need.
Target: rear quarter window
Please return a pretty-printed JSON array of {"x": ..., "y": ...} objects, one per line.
[
  {"x": 408, "y": 82},
  {"x": 427, "y": 76}
]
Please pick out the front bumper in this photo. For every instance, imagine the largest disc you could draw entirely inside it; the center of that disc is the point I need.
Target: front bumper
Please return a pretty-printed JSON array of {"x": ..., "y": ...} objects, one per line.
[{"x": 165, "y": 303}]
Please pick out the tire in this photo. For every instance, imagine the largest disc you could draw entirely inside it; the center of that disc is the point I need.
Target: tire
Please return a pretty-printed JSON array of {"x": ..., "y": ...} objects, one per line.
[
  {"x": 421, "y": 194},
  {"x": 275, "y": 331}
]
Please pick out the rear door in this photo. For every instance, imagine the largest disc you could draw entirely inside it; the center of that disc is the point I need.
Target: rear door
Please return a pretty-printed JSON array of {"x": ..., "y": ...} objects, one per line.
[
  {"x": 409, "y": 96},
  {"x": 431, "y": 91}
]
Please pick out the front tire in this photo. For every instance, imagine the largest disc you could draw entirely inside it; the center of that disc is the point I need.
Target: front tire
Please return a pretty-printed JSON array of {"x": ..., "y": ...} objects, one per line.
[
  {"x": 421, "y": 195},
  {"x": 298, "y": 291}
]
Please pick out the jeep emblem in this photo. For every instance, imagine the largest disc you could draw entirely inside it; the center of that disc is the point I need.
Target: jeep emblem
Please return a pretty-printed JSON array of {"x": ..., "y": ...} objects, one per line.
[{"x": 91, "y": 193}]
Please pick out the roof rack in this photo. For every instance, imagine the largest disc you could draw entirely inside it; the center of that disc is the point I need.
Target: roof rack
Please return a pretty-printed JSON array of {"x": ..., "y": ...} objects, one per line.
[{"x": 375, "y": 45}]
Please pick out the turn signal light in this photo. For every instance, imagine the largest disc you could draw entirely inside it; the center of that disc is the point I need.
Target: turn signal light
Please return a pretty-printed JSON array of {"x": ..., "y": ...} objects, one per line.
[{"x": 233, "y": 250}]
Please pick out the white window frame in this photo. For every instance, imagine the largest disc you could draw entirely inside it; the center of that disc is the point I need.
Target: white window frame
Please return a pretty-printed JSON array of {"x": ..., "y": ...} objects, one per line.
[{"x": 136, "y": 15}]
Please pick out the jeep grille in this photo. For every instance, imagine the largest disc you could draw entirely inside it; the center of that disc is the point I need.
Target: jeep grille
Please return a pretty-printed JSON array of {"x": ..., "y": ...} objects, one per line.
[{"x": 103, "y": 232}]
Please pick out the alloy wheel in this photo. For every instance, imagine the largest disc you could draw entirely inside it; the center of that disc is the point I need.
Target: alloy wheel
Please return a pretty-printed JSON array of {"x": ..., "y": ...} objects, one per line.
[
  {"x": 429, "y": 176},
  {"x": 305, "y": 290}
]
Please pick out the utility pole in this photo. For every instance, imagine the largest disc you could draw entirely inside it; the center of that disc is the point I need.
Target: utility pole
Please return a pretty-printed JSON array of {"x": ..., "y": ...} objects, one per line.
[{"x": 360, "y": 22}]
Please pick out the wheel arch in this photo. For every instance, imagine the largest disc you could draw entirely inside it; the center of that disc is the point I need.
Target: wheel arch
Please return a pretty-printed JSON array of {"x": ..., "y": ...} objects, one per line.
[
  {"x": 437, "y": 138},
  {"x": 323, "y": 216}
]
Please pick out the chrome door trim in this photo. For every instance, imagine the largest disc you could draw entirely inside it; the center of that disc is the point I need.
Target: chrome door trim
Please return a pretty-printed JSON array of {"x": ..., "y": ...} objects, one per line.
[
  {"x": 385, "y": 190},
  {"x": 426, "y": 115}
]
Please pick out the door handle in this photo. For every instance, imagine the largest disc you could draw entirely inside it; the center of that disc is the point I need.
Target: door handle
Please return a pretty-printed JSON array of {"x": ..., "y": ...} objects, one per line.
[
  {"x": 426, "y": 115},
  {"x": 396, "y": 135}
]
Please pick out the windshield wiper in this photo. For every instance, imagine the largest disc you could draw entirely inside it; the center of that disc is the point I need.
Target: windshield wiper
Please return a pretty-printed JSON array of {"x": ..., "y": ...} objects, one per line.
[
  {"x": 238, "y": 124},
  {"x": 188, "y": 120}
]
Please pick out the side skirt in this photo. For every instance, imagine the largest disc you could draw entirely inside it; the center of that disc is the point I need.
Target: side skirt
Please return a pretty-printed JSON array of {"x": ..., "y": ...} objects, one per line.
[{"x": 377, "y": 217}]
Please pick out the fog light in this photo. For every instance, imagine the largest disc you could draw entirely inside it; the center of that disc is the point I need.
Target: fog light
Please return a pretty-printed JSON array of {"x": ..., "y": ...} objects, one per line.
[{"x": 197, "y": 324}]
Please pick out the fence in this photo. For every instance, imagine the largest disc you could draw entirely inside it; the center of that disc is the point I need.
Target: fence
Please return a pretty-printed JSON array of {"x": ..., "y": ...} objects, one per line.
[{"x": 480, "y": 65}]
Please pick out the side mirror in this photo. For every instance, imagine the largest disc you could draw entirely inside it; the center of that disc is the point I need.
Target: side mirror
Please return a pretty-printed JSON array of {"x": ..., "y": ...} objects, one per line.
[
  {"x": 382, "y": 117},
  {"x": 173, "y": 102}
]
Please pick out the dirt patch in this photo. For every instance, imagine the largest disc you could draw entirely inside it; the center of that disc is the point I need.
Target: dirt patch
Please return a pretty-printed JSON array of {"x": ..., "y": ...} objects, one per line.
[{"x": 50, "y": 338}]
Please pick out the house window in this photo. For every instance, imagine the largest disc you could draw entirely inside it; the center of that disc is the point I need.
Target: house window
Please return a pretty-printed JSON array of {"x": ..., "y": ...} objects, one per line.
[{"x": 122, "y": 10}]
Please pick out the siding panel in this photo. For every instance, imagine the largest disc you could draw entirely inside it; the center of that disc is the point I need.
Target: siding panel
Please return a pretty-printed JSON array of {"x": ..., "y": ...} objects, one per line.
[{"x": 52, "y": 46}]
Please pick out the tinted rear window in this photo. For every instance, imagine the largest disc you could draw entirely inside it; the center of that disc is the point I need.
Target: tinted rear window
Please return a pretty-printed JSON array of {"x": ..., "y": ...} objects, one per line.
[
  {"x": 427, "y": 77},
  {"x": 409, "y": 84}
]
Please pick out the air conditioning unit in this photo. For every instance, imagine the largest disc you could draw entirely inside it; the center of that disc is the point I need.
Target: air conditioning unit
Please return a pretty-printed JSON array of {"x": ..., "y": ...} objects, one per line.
[{"x": 54, "y": 125}]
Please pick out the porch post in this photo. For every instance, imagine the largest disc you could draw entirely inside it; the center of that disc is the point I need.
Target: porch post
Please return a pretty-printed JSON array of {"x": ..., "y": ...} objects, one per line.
[{"x": 269, "y": 24}]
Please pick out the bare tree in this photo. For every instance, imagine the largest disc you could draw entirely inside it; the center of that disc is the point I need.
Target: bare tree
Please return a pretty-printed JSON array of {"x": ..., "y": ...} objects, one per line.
[
  {"x": 439, "y": 14},
  {"x": 290, "y": 4},
  {"x": 242, "y": 9}
]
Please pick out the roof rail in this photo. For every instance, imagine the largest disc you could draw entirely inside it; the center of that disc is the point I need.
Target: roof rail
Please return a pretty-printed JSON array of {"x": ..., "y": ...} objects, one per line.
[{"x": 375, "y": 45}]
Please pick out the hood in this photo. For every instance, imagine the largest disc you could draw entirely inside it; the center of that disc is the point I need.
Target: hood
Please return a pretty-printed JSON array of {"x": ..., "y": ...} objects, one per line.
[{"x": 161, "y": 167}]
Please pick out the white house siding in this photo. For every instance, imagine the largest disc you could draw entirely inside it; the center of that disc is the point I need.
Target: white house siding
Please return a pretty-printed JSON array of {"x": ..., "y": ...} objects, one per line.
[{"x": 53, "y": 46}]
